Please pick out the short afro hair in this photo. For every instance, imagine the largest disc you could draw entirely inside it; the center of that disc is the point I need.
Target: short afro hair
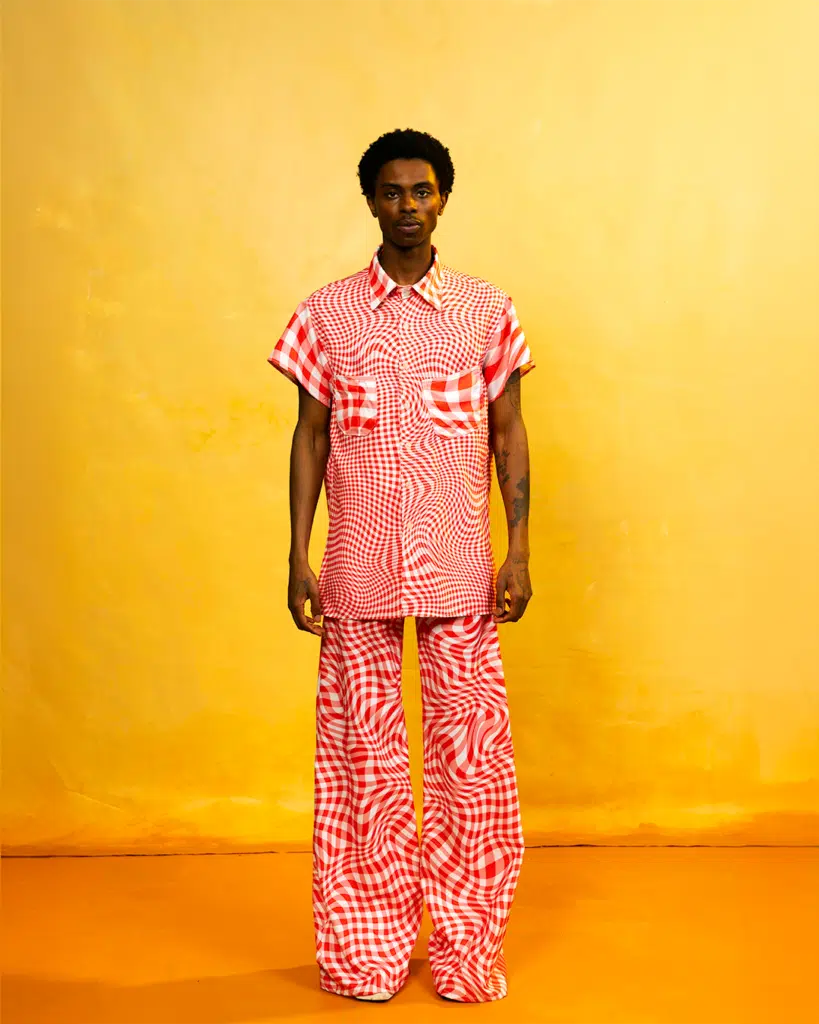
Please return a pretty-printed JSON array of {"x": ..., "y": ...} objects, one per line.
[{"x": 405, "y": 144}]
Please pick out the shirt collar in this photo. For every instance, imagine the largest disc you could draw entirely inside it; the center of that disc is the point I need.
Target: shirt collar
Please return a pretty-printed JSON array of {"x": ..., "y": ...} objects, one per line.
[{"x": 381, "y": 284}]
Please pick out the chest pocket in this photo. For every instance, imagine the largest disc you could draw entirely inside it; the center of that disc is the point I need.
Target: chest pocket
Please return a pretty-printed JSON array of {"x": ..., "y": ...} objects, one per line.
[
  {"x": 455, "y": 404},
  {"x": 355, "y": 404}
]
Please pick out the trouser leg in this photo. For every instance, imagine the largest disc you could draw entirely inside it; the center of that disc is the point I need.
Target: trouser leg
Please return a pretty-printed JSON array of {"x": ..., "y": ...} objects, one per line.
[
  {"x": 472, "y": 840},
  {"x": 367, "y": 901}
]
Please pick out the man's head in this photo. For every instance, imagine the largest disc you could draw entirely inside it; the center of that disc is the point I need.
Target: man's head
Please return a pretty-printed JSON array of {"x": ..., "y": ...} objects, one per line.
[{"x": 407, "y": 177}]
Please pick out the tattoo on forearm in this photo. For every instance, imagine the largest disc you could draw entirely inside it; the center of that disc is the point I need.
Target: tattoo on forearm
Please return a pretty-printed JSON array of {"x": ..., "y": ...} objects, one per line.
[
  {"x": 512, "y": 389},
  {"x": 520, "y": 503},
  {"x": 501, "y": 459}
]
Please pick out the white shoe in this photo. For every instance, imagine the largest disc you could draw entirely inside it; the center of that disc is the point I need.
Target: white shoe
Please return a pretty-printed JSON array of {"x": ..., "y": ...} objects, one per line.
[{"x": 377, "y": 997}]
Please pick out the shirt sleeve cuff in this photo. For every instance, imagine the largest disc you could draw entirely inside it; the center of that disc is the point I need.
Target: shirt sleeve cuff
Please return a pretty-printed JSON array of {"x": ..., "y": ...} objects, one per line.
[{"x": 298, "y": 375}]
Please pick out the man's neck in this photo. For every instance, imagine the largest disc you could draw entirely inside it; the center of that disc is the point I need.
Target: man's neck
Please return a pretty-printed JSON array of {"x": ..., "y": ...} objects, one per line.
[{"x": 406, "y": 266}]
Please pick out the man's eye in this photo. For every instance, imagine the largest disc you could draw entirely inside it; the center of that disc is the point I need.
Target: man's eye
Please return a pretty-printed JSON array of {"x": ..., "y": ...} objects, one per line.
[{"x": 424, "y": 192}]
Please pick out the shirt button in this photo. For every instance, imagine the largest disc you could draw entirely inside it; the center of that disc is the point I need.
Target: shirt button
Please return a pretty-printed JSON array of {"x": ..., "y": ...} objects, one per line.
[{"x": 403, "y": 366}]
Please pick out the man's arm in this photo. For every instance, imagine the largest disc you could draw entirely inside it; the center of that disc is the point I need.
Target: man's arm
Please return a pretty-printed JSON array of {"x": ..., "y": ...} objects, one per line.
[
  {"x": 308, "y": 459},
  {"x": 507, "y": 434}
]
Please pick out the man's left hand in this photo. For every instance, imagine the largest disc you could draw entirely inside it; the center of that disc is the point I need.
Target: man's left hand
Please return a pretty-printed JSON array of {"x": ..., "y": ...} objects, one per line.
[{"x": 513, "y": 579}]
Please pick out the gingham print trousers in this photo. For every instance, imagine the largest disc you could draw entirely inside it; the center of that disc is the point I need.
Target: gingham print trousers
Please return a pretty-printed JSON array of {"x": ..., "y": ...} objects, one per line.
[{"x": 370, "y": 878}]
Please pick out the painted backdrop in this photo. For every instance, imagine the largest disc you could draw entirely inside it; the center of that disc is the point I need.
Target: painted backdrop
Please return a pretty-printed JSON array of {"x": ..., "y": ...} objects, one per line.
[{"x": 641, "y": 177}]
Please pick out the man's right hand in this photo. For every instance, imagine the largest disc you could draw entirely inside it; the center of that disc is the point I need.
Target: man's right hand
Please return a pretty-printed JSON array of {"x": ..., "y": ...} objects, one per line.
[{"x": 303, "y": 586}]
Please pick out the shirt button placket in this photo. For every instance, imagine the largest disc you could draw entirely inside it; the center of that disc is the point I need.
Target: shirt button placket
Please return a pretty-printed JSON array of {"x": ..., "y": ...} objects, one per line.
[{"x": 403, "y": 366}]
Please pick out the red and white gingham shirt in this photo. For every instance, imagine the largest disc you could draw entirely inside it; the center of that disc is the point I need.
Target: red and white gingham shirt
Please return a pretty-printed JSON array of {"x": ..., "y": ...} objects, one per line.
[{"x": 409, "y": 373}]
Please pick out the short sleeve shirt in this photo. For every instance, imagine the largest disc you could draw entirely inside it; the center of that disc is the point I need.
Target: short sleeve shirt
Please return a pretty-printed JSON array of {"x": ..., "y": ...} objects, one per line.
[{"x": 408, "y": 373}]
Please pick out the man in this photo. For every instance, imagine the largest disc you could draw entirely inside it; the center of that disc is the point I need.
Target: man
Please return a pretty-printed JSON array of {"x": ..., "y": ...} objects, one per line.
[{"x": 409, "y": 380}]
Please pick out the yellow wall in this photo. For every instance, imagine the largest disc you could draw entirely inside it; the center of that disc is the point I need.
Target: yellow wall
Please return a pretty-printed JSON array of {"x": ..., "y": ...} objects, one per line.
[{"x": 641, "y": 177}]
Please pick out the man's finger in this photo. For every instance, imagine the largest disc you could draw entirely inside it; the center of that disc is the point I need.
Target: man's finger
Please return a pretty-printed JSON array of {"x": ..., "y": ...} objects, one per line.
[
  {"x": 314, "y": 626},
  {"x": 315, "y": 609},
  {"x": 311, "y": 623},
  {"x": 315, "y": 600},
  {"x": 298, "y": 613},
  {"x": 302, "y": 620},
  {"x": 517, "y": 602},
  {"x": 504, "y": 613},
  {"x": 500, "y": 593}
]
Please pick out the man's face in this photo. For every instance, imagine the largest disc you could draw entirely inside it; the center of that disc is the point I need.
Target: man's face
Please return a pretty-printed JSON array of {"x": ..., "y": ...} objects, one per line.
[{"x": 407, "y": 202}]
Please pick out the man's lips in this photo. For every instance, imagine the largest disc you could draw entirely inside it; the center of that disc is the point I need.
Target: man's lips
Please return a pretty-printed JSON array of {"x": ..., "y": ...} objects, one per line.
[{"x": 409, "y": 225}]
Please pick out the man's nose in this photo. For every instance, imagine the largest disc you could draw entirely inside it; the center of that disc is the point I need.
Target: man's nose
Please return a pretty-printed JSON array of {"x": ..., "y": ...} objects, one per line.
[{"x": 408, "y": 204}]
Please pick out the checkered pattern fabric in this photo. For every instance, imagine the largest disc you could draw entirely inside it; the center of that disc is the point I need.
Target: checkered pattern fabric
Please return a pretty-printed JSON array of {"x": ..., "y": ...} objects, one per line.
[
  {"x": 409, "y": 373},
  {"x": 370, "y": 878},
  {"x": 454, "y": 403},
  {"x": 355, "y": 404},
  {"x": 300, "y": 358}
]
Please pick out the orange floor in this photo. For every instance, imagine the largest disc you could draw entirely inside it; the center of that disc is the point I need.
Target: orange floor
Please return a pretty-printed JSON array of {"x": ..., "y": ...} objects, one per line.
[{"x": 719, "y": 936}]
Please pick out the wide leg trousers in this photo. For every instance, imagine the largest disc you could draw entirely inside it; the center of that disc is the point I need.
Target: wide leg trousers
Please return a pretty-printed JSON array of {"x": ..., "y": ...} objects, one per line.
[{"x": 370, "y": 878}]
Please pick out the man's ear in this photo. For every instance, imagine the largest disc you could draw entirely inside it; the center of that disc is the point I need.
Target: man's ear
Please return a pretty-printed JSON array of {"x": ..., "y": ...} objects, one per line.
[
  {"x": 444, "y": 198},
  {"x": 371, "y": 204}
]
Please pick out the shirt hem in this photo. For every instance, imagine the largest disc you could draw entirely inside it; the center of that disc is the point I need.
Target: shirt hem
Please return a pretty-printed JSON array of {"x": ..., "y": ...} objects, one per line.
[{"x": 415, "y": 613}]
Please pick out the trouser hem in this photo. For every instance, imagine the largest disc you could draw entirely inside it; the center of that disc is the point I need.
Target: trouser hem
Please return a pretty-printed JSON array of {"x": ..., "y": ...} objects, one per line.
[{"x": 328, "y": 984}]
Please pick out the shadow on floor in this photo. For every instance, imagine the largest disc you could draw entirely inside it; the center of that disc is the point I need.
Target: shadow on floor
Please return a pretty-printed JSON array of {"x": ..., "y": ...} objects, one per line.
[{"x": 260, "y": 995}]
